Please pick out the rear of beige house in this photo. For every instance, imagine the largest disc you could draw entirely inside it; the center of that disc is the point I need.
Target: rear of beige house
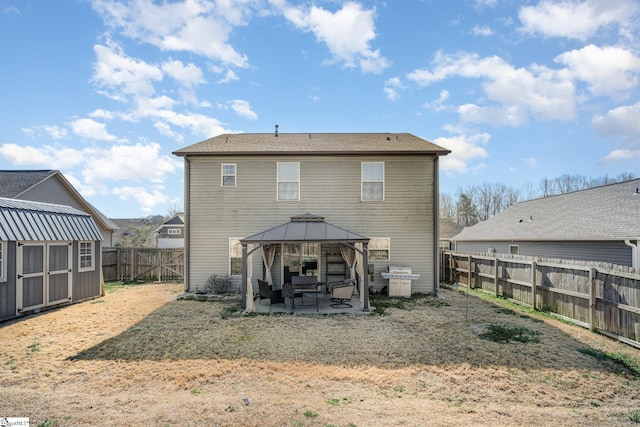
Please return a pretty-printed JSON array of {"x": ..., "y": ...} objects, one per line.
[{"x": 231, "y": 191}]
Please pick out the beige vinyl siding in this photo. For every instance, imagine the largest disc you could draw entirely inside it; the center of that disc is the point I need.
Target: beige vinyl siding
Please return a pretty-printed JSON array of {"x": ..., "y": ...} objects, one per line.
[{"x": 329, "y": 186}]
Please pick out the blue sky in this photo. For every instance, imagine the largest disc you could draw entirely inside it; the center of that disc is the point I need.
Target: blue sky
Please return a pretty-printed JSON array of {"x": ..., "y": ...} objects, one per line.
[{"x": 104, "y": 91}]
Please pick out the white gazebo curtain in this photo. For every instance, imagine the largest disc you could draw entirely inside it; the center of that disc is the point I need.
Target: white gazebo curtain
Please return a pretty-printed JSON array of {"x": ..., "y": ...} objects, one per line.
[
  {"x": 361, "y": 269},
  {"x": 250, "y": 305},
  {"x": 268, "y": 256},
  {"x": 349, "y": 257}
]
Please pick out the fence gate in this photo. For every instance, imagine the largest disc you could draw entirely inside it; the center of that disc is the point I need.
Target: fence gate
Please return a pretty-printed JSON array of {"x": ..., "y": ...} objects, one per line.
[{"x": 44, "y": 274}]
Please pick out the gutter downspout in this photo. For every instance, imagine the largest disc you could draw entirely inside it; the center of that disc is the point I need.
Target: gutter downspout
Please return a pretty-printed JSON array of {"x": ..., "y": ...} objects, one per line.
[
  {"x": 635, "y": 253},
  {"x": 187, "y": 220}
]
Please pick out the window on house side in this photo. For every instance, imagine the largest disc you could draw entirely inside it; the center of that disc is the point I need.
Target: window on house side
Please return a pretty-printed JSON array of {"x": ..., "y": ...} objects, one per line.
[
  {"x": 235, "y": 256},
  {"x": 514, "y": 249},
  {"x": 173, "y": 231},
  {"x": 229, "y": 174},
  {"x": 288, "y": 181},
  {"x": 379, "y": 249},
  {"x": 85, "y": 256},
  {"x": 372, "y": 181}
]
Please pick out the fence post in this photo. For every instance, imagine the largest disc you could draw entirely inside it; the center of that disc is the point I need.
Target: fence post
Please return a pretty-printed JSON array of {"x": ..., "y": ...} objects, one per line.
[
  {"x": 451, "y": 275},
  {"x": 470, "y": 272},
  {"x": 133, "y": 264},
  {"x": 592, "y": 299},
  {"x": 496, "y": 279},
  {"x": 534, "y": 290}
]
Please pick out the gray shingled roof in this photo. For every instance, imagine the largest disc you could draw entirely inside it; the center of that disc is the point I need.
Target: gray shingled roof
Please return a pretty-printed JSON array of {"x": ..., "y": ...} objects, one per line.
[
  {"x": 22, "y": 220},
  {"x": 610, "y": 212},
  {"x": 313, "y": 143},
  {"x": 305, "y": 228},
  {"x": 15, "y": 182},
  {"x": 447, "y": 229}
]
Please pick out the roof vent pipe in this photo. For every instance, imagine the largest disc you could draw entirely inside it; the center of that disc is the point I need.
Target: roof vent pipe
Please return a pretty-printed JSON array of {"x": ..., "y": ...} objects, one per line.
[{"x": 276, "y": 131}]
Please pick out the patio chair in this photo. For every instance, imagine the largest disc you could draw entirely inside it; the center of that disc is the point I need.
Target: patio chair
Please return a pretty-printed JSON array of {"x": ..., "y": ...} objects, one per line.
[
  {"x": 341, "y": 295},
  {"x": 267, "y": 292},
  {"x": 289, "y": 292}
]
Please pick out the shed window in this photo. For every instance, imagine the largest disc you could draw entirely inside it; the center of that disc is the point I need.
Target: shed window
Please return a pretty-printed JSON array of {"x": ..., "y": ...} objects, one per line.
[
  {"x": 514, "y": 249},
  {"x": 229, "y": 174},
  {"x": 85, "y": 256},
  {"x": 379, "y": 249},
  {"x": 235, "y": 256},
  {"x": 372, "y": 181},
  {"x": 288, "y": 181},
  {"x": 3, "y": 264}
]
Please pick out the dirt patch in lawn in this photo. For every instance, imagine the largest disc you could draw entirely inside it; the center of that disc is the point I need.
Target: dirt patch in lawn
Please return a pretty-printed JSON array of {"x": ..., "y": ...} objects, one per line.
[{"x": 138, "y": 356}]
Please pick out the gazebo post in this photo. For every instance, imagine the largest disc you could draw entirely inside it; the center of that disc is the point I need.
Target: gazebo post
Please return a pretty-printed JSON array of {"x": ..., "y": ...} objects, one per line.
[
  {"x": 243, "y": 285},
  {"x": 365, "y": 261}
]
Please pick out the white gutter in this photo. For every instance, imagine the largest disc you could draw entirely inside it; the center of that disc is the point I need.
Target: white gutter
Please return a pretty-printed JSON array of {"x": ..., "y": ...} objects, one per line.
[{"x": 635, "y": 253}]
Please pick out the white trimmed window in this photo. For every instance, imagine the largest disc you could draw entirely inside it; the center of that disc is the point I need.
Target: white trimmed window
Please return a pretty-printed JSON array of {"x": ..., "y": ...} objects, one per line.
[
  {"x": 514, "y": 249},
  {"x": 372, "y": 181},
  {"x": 235, "y": 256},
  {"x": 173, "y": 231},
  {"x": 380, "y": 249},
  {"x": 85, "y": 256},
  {"x": 3, "y": 264},
  {"x": 229, "y": 174},
  {"x": 288, "y": 181}
]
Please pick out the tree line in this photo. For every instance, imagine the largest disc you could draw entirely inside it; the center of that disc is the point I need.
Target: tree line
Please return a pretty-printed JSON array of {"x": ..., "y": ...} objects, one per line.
[{"x": 476, "y": 203}]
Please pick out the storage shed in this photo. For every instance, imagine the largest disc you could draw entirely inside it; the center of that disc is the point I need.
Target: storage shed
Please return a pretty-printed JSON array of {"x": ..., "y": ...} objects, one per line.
[{"x": 49, "y": 255}]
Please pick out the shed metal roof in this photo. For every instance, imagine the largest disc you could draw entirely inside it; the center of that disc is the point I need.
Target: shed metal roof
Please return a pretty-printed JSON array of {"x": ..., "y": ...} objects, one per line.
[
  {"x": 606, "y": 213},
  {"x": 305, "y": 228},
  {"x": 313, "y": 143},
  {"x": 22, "y": 220}
]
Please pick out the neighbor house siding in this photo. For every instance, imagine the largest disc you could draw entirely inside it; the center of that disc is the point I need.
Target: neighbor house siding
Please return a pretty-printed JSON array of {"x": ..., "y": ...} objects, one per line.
[
  {"x": 330, "y": 186},
  {"x": 608, "y": 252}
]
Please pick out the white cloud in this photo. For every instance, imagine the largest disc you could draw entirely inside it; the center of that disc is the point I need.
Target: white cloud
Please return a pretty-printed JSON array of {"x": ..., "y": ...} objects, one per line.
[
  {"x": 101, "y": 114},
  {"x": 464, "y": 149},
  {"x": 187, "y": 76},
  {"x": 392, "y": 87},
  {"x": 243, "y": 109},
  {"x": 347, "y": 33},
  {"x": 576, "y": 19},
  {"x": 619, "y": 155},
  {"x": 53, "y": 132},
  {"x": 229, "y": 76},
  {"x": 148, "y": 200},
  {"x": 620, "y": 121},
  {"x": 531, "y": 162},
  {"x": 122, "y": 75},
  {"x": 484, "y": 31},
  {"x": 607, "y": 70},
  {"x": 438, "y": 104},
  {"x": 90, "y": 129},
  {"x": 516, "y": 93},
  {"x": 196, "y": 26}
]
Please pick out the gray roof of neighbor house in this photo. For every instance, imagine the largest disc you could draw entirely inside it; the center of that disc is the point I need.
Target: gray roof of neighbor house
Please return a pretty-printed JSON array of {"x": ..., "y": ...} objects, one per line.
[
  {"x": 305, "y": 228},
  {"x": 313, "y": 143},
  {"x": 22, "y": 220},
  {"x": 447, "y": 229},
  {"x": 609, "y": 212},
  {"x": 15, "y": 182}
]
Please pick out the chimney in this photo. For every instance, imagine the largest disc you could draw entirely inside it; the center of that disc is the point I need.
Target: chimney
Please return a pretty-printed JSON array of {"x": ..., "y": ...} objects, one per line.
[{"x": 276, "y": 131}]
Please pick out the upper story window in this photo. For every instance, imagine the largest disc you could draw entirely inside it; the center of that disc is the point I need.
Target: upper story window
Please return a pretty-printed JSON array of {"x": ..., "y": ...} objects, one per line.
[
  {"x": 229, "y": 174},
  {"x": 514, "y": 249},
  {"x": 85, "y": 256},
  {"x": 379, "y": 249},
  {"x": 288, "y": 181},
  {"x": 173, "y": 231},
  {"x": 372, "y": 181}
]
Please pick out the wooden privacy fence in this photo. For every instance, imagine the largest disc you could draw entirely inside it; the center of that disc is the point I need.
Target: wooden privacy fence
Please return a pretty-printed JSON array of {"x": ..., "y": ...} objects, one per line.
[
  {"x": 142, "y": 264},
  {"x": 598, "y": 296}
]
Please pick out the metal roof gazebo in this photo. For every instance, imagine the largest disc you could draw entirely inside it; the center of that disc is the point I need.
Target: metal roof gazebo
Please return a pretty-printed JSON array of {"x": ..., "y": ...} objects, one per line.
[{"x": 304, "y": 229}]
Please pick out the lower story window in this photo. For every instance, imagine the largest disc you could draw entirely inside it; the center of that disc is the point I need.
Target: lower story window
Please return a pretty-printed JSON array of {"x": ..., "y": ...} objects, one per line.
[
  {"x": 235, "y": 256},
  {"x": 379, "y": 248}
]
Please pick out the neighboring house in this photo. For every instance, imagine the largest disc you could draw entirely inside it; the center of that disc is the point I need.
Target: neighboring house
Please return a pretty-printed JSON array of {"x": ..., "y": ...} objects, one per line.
[
  {"x": 140, "y": 232},
  {"x": 377, "y": 190},
  {"x": 598, "y": 224},
  {"x": 49, "y": 255},
  {"x": 50, "y": 186},
  {"x": 171, "y": 233},
  {"x": 448, "y": 229}
]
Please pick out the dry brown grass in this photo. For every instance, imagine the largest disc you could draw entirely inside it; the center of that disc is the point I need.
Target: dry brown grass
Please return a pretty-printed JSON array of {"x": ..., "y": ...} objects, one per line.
[{"x": 139, "y": 357}]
